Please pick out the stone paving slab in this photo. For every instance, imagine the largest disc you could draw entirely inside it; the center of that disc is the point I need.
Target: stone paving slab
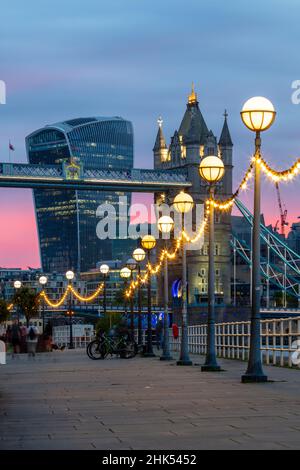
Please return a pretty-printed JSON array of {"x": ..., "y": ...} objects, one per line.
[{"x": 64, "y": 400}]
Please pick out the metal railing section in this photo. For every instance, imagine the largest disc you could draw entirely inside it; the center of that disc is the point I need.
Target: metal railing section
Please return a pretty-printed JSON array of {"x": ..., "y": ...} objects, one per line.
[{"x": 278, "y": 340}]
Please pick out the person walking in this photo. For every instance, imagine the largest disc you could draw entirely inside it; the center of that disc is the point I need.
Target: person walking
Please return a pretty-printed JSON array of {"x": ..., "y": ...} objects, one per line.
[
  {"x": 15, "y": 334},
  {"x": 32, "y": 339},
  {"x": 159, "y": 333},
  {"x": 23, "y": 331}
]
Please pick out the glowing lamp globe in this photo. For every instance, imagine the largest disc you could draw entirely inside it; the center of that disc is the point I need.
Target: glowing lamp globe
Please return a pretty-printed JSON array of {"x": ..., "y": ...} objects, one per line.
[
  {"x": 139, "y": 254},
  {"x": 17, "y": 284},
  {"x": 131, "y": 264},
  {"x": 43, "y": 280},
  {"x": 104, "y": 269},
  {"x": 183, "y": 202},
  {"x": 258, "y": 114},
  {"x": 148, "y": 242},
  {"x": 165, "y": 224},
  {"x": 125, "y": 273},
  {"x": 211, "y": 169},
  {"x": 70, "y": 275}
]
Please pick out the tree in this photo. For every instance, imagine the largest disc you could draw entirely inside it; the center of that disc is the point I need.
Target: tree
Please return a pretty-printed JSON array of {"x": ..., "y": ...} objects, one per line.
[
  {"x": 27, "y": 301},
  {"x": 4, "y": 312},
  {"x": 108, "y": 321}
]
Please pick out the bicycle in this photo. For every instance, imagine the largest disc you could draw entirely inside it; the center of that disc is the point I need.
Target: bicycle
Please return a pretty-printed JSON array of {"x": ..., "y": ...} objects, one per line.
[{"x": 104, "y": 345}]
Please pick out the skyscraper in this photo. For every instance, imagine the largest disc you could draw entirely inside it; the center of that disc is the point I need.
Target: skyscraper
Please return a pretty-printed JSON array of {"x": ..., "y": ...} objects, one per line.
[{"x": 66, "y": 219}]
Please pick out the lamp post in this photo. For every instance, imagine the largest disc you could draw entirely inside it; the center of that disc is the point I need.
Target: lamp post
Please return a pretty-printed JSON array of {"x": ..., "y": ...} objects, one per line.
[
  {"x": 183, "y": 203},
  {"x": 125, "y": 273},
  {"x": 211, "y": 170},
  {"x": 148, "y": 244},
  {"x": 43, "y": 281},
  {"x": 104, "y": 270},
  {"x": 165, "y": 226},
  {"x": 258, "y": 115},
  {"x": 17, "y": 286},
  {"x": 139, "y": 256},
  {"x": 70, "y": 276},
  {"x": 131, "y": 264}
]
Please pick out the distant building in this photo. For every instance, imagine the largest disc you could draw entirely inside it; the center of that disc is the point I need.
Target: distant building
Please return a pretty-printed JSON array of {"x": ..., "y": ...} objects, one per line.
[
  {"x": 55, "y": 286},
  {"x": 293, "y": 239},
  {"x": 66, "y": 219}
]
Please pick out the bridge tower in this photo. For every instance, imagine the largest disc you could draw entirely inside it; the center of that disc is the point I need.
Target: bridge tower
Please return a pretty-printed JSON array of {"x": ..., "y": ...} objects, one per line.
[{"x": 189, "y": 144}]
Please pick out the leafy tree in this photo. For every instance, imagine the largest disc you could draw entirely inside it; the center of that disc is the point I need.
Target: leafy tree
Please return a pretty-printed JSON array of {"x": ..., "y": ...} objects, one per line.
[
  {"x": 4, "y": 312},
  {"x": 108, "y": 321},
  {"x": 27, "y": 301}
]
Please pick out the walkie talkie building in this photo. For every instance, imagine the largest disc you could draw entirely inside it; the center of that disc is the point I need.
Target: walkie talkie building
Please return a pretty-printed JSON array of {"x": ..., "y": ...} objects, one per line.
[{"x": 67, "y": 219}]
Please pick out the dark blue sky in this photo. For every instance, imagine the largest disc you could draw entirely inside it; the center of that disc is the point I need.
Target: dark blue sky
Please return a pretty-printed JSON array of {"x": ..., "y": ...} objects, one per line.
[{"x": 137, "y": 59}]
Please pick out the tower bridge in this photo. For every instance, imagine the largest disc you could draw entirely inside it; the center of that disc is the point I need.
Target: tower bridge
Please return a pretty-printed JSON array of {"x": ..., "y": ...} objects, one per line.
[{"x": 75, "y": 176}]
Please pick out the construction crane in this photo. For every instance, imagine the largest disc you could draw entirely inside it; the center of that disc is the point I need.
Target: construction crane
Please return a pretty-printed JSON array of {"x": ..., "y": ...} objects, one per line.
[{"x": 283, "y": 213}]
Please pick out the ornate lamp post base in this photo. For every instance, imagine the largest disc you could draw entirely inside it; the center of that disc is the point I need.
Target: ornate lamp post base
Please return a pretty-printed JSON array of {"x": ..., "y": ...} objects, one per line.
[
  {"x": 149, "y": 354},
  {"x": 210, "y": 368},
  {"x": 252, "y": 378},
  {"x": 166, "y": 358},
  {"x": 183, "y": 362}
]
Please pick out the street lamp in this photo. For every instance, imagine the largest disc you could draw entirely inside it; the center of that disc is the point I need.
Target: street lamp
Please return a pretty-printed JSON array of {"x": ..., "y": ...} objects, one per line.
[
  {"x": 104, "y": 270},
  {"x": 43, "y": 281},
  {"x": 131, "y": 264},
  {"x": 149, "y": 243},
  {"x": 125, "y": 274},
  {"x": 258, "y": 115},
  {"x": 139, "y": 256},
  {"x": 18, "y": 285},
  {"x": 165, "y": 226},
  {"x": 70, "y": 276},
  {"x": 211, "y": 170},
  {"x": 183, "y": 203}
]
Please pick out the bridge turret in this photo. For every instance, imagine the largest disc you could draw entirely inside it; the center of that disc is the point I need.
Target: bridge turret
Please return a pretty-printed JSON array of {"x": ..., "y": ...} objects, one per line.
[
  {"x": 160, "y": 148},
  {"x": 225, "y": 152}
]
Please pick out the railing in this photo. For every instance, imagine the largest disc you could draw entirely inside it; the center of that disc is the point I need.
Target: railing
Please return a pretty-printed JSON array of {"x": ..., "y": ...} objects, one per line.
[
  {"x": 133, "y": 175},
  {"x": 278, "y": 338},
  {"x": 24, "y": 169}
]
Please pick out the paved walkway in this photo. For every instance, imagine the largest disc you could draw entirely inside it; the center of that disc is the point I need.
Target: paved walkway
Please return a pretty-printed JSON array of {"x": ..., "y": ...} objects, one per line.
[{"x": 63, "y": 400}]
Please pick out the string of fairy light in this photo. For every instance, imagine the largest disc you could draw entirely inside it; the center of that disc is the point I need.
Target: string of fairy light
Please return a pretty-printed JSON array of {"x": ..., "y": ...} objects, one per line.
[
  {"x": 70, "y": 289},
  {"x": 221, "y": 205},
  {"x": 224, "y": 205},
  {"x": 77, "y": 295}
]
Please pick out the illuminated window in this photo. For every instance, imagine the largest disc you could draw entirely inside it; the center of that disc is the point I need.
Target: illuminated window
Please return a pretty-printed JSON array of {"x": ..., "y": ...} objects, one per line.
[{"x": 217, "y": 249}]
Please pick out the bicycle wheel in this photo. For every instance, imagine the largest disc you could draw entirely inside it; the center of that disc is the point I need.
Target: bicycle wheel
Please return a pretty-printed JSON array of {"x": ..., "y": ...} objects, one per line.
[
  {"x": 96, "y": 350},
  {"x": 130, "y": 350}
]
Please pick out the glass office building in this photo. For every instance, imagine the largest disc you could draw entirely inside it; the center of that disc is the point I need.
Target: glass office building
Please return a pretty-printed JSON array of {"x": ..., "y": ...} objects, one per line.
[{"x": 66, "y": 219}]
